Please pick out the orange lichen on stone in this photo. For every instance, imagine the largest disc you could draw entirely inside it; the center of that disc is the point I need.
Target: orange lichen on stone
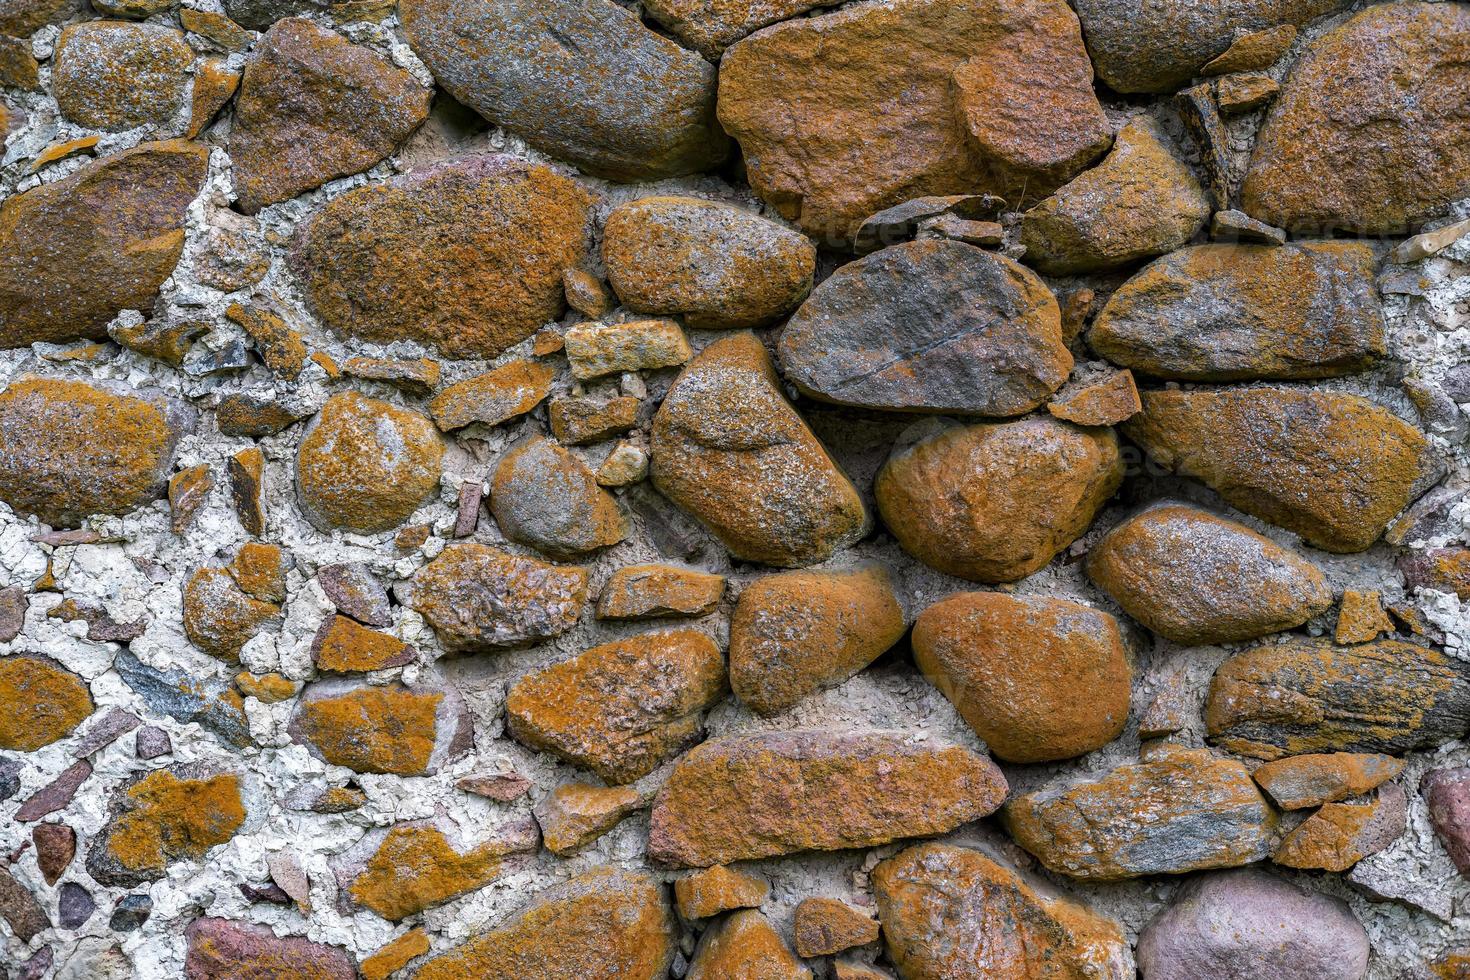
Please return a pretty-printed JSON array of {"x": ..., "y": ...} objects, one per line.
[
  {"x": 115, "y": 75},
  {"x": 187, "y": 491},
  {"x": 1339, "y": 835},
  {"x": 658, "y": 591},
  {"x": 824, "y": 926},
  {"x": 343, "y": 646},
  {"x": 416, "y": 868},
  {"x": 216, "y": 27},
  {"x": 214, "y": 85},
  {"x": 40, "y": 702},
  {"x": 219, "y": 617},
  {"x": 1360, "y": 617},
  {"x": 718, "y": 889},
  {"x": 1108, "y": 400},
  {"x": 169, "y": 819},
  {"x": 576, "y": 814},
  {"x": 1440, "y": 569},
  {"x": 393, "y": 957},
  {"x": 477, "y": 597},
  {"x": 545, "y": 496},
  {"x": 267, "y": 688},
  {"x": 259, "y": 569},
  {"x": 281, "y": 347},
  {"x": 1311, "y": 780},
  {"x": 60, "y": 151},
  {"x": 745, "y": 945},
  {"x": 493, "y": 397},
  {"x": 372, "y": 729}
]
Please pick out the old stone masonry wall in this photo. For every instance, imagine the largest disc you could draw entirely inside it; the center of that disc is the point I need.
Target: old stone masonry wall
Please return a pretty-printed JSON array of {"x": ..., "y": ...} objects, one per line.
[{"x": 755, "y": 490}]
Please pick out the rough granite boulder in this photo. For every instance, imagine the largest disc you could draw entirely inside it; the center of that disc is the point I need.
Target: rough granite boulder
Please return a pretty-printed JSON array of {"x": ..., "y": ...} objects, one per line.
[
  {"x": 1198, "y": 579},
  {"x": 546, "y": 497},
  {"x": 752, "y": 796},
  {"x": 1446, "y": 793},
  {"x": 113, "y": 75},
  {"x": 479, "y": 598},
  {"x": 582, "y": 80},
  {"x": 1247, "y": 312},
  {"x": 728, "y": 448},
  {"x": 77, "y": 251},
  {"x": 466, "y": 256},
  {"x": 994, "y": 502},
  {"x": 929, "y": 326},
  {"x": 710, "y": 28},
  {"x": 745, "y": 945},
  {"x": 394, "y": 729},
  {"x": 220, "y": 950},
  {"x": 1334, "y": 468},
  {"x": 40, "y": 702}
]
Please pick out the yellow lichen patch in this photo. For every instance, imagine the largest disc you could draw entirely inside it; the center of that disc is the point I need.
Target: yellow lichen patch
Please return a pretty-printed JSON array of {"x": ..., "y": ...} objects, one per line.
[
  {"x": 493, "y": 397},
  {"x": 375, "y": 729},
  {"x": 214, "y": 85},
  {"x": 40, "y": 702},
  {"x": 171, "y": 819},
  {"x": 416, "y": 868},
  {"x": 266, "y": 688},
  {"x": 1361, "y": 618},
  {"x": 718, "y": 889},
  {"x": 60, "y": 151},
  {"x": 395, "y": 956},
  {"x": 342, "y": 646},
  {"x": 259, "y": 570}
]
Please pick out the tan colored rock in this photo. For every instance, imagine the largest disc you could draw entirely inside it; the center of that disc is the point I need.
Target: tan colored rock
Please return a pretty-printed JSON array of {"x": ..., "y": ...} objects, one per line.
[
  {"x": 824, "y": 926},
  {"x": 545, "y": 497},
  {"x": 114, "y": 75},
  {"x": 394, "y": 956},
  {"x": 1039, "y": 679},
  {"x": 714, "y": 265},
  {"x": 728, "y": 448},
  {"x": 219, "y": 617},
  {"x": 214, "y": 85},
  {"x": 658, "y": 592},
  {"x": 1332, "y": 467},
  {"x": 342, "y": 646},
  {"x": 626, "y": 465},
  {"x": 1253, "y": 51},
  {"x": 719, "y": 889},
  {"x": 710, "y": 28},
  {"x": 40, "y": 702},
  {"x": 622, "y": 708},
  {"x": 1441, "y": 569},
  {"x": 479, "y": 598},
  {"x": 1105, "y": 400},
  {"x": 798, "y": 632},
  {"x": 466, "y": 256},
  {"x": 956, "y": 913},
  {"x": 494, "y": 397},
  {"x": 578, "y": 421},
  {"x": 1199, "y": 579},
  {"x": 393, "y": 729},
  {"x": 1243, "y": 93},
  {"x": 586, "y": 294},
  {"x": 1340, "y": 835},
  {"x": 1302, "y": 781},
  {"x": 1360, "y": 617},
  {"x": 415, "y": 866},
  {"x": 266, "y": 688},
  {"x": 595, "y": 349},
  {"x": 576, "y": 814},
  {"x": 745, "y": 945},
  {"x": 216, "y": 27},
  {"x": 996, "y": 502},
  {"x": 752, "y": 796},
  {"x": 77, "y": 251}
]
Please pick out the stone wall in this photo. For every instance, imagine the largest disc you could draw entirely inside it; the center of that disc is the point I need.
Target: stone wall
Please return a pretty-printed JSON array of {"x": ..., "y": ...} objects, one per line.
[{"x": 916, "y": 487}]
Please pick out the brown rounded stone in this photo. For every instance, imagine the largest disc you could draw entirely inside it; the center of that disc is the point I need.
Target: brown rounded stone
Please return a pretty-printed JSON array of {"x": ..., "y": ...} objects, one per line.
[
  {"x": 393, "y": 729},
  {"x": 752, "y": 796},
  {"x": 314, "y": 106},
  {"x": 996, "y": 502},
  {"x": 957, "y": 914},
  {"x": 576, "y": 814},
  {"x": 40, "y": 702},
  {"x": 1198, "y": 579},
  {"x": 727, "y": 447},
  {"x": 341, "y": 646},
  {"x": 715, "y": 265},
  {"x": 115, "y": 75},
  {"x": 1039, "y": 679},
  {"x": 824, "y": 926},
  {"x": 269, "y": 688},
  {"x": 162, "y": 817},
  {"x": 466, "y": 256},
  {"x": 1246, "y": 312},
  {"x": 545, "y": 497},
  {"x": 365, "y": 465},
  {"x": 659, "y": 591},
  {"x": 796, "y": 633},
  {"x": 77, "y": 251},
  {"x": 1369, "y": 131},
  {"x": 479, "y": 598},
  {"x": 219, "y": 618},
  {"x": 718, "y": 889},
  {"x": 1302, "y": 781},
  {"x": 745, "y": 945},
  {"x": 70, "y": 449},
  {"x": 622, "y": 708},
  {"x": 1331, "y": 467}
]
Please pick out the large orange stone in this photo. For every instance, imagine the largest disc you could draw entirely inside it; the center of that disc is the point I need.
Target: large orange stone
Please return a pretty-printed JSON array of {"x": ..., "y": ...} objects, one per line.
[
  {"x": 391, "y": 729},
  {"x": 40, "y": 702},
  {"x": 162, "y": 817},
  {"x": 479, "y": 598}
]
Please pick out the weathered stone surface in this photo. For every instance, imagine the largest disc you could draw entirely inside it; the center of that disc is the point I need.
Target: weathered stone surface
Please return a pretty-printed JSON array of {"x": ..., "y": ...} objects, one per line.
[
  {"x": 996, "y": 502},
  {"x": 903, "y": 221},
  {"x": 622, "y": 708},
  {"x": 219, "y": 29},
  {"x": 269, "y": 688},
  {"x": 1369, "y": 132},
  {"x": 1156, "y": 47},
  {"x": 728, "y": 448},
  {"x": 40, "y": 702},
  {"x": 56, "y": 845},
  {"x": 394, "y": 956},
  {"x": 242, "y": 415},
  {"x": 545, "y": 497},
  {"x": 1441, "y": 569},
  {"x": 753, "y": 796},
  {"x": 1206, "y": 129},
  {"x": 1105, "y": 399},
  {"x": 258, "y": 15},
  {"x": 796, "y": 633},
  {"x": 1199, "y": 579},
  {"x": 1253, "y": 52},
  {"x": 1332, "y": 467},
  {"x": 1247, "y": 312},
  {"x": 1310, "y": 696},
  {"x": 1179, "y": 810},
  {"x": 365, "y": 465},
  {"x": 70, "y": 449},
  {"x": 466, "y": 256},
  {"x": 1302, "y": 781},
  {"x": 247, "y": 488},
  {"x": 605, "y": 924},
  {"x": 1251, "y": 924},
  {"x": 418, "y": 377},
  {"x": 1361, "y": 617},
  {"x": 342, "y": 646},
  {"x": 710, "y": 28},
  {"x": 745, "y": 945},
  {"x": 595, "y": 349},
  {"x": 314, "y": 106},
  {"x": 13, "y": 606},
  {"x": 74, "y": 906},
  {"x": 20, "y": 910},
  {"x": 221, "y": 950},
  {"x": 405, "y": 731},
  {"x": 1340, "y": 835},
  {"x": 75, "y": 252},
  {"x": 931, "y": 326},
  {"x": 576, "y": 814},
  {"x": 494, "y": 397},
  {"x": 114, "y": 75},
  {"x": 583, "y": 80},
  {"x": 626, "y": 465},
  {"x": 22, "y": 18},
  {"x": 1243, "y": 93},
  {"x": 214, "y": 85},
  {"x": 713, "y": 264},
  {"x": 579, "y": 421},
  {"x": 479, "y": 598},
  {"x": 1039, "y": 679},
  {"x": 956, "y": 913},
  {"x": 1141, "y": 201},
  {"x": 659, "y": 591},
  {"x": 1446, "y": 792},
  {"x": 18, "y": 66},
  {"x": 718, "y": 889},
  {"x": 356, "y": 592},
  {"x": 410, "y": 867},
  {"x": 824, "y": 926},
  {"x": 55, "y": 795},
  {"x": 165, "y": 816},
  {"x": 994, "y": 95},
  {"x": 212, "y": 703},
  {"x": 219, "y": 618}
]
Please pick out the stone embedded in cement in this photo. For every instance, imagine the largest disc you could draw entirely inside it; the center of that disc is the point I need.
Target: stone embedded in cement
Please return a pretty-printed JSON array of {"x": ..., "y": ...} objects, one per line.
[
  {"x": 824, "y": 926},
  {"x": 658, "y": 592},
  {"x": 1339, "y": 835},
  {"x": 1105, "y": 399},
  {"x": 710, "y": 891},
  {"x": 219, "y": 617},
  {"x": 213, "y": 704},
  {"x": 342, "y": 646},
  {"x": 580, "y": 421},
  {"x": 220, "y": 949},
  {"x": 574, "y": 815},
  {"x": 496, "y": 396},
  {"x": 1446, "y": 792},
  {"x": 407, "y": 868},
  {"x": 355, "y": 591},
  {"x": 163, "y": 817},
  {"x": 114, "y": 75},
  {"x": 395, "y": 729},
  {"x": 596, "y": 349},
  {"x": 479, "y": 598},
  {"x": 545, "y": 497},
  {"x": 40, "y": 702},
  {"x": 1302, "y": 781}
]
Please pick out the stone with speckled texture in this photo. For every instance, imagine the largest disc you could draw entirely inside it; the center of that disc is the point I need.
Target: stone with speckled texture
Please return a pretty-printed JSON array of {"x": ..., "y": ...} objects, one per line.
[{"x": 480, "y": 598}]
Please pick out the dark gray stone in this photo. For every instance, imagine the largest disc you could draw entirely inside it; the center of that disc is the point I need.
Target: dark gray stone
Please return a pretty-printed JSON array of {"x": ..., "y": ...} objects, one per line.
[
  {"x": 258, "y": 15},
  {"x": 13, "y": 606},
  {"x": 183, "y": 697},
  {"x": 131, "y": 912},
  {"x": 10, "y": 770}
]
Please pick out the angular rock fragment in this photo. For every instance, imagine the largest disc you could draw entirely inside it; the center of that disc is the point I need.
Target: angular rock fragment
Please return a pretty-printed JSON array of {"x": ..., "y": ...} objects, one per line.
[
  {"x": 583, "y": 80},
  {"x": 1302, "y": 781},
  {"x": 56, "y": 845},
  {"x": 214, "y": 85},
  {"x": 356, "y": 592},
  {"x": 113, "y": 75},
  {"x": 659, "y": 591},
  {"x": 1039, "y": 679},
  {"x": 956, "y": 913},
  {"x": 1334, "y": 468},
  {"x": 466, "y": 256},
  {"x": 13, "y": 606},
  {"x": 479, "y": 598},
  {"x": 18, "y": 66},
  {"x": 404, "y": 869},
  {"x": 728, "y": 448},
  {"x": 1368, "y": 134},
  {"x": 22, "y": 18},
  {"x": 1243, "y": 93},
  {"x": 108, "y": 728},
  {"x": 1179, "y": 810},
  {"x": 258, "y": 15},
  {"x": 220, "y": 949},
  {"x": 586, "y": 294},
  {"x": 1446, "y": 792},
  {"x": 1198, "y": 579},
  {"x": 404, "y": 731},
  {"x": 545, "y": 497},
  {"x": 930, "y": 326},
  {"x": 341, "y": 646},
  {"x": 503, "y": 787},
  {"x": 903, "y": 221},
  {"x": 799, "y": 632},
  {"x": 595, "y": 349},
  {"x": 710, "y": 30},
  {"x": 824, "y": 926},
  {"x": 626, "y": 465},
  {"x": 267, "y": 688},
  {"x": 40, "y": 702},
  {"x": 55, "y": 795},
  {"x": 213, "y": 704},
  {"x": 75, "y": 906},
  {"x": 1310, "y": 696},
  {"x": 745, "y": 945},
  {"x": 580, "y": 421},
  {"x": 396, "y": 955},
  {"x": 1441, "y": 569},
  {"x": 165, "y": 816},
  {"x": 1098, "y": 400},
  {"x": 219, "y": 618},
  {"x": 1253, "y": 52},
  {"x": 242, "y": 415},
  {"x": 754, "y": 796},
  {"x": 718, "y": 889},
  {"x": 314, "y": 106},
  {"x": 994, "y": 502},
  {"x": 1238, "y": 227},
  {"x": 1141, "y": 201},
  {"x": 1339, "y": 835},
  {"x": 416, "y": 377},
  {"x": 247, "y": 488},
  {"x": 622, "y": 708},
  {"x": 20, "y": 910},
  {"x": 1360, "y": 617},
  {"x": 1201, "y": 118},
  {"x": 1247, "y": 312},
  {"x": 715, "y": 265},
  {"x": 494, "y": 397},
  {"x": 576, "y": 814}
]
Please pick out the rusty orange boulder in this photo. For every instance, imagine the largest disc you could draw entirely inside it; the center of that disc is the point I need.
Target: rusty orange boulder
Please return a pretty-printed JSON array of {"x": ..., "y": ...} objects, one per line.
[
  {"x": 40, "y": 702},
  {"x": 161, "y": 817},
  {"x": 396, "y": 729},
  {"x": 480, "y": 598},
  {"x": 745, "y": 945}
]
